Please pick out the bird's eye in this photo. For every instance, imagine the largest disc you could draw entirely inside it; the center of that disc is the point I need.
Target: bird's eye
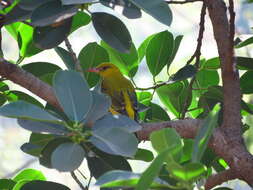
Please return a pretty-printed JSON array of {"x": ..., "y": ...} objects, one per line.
[{"x": 104, "y": 68}]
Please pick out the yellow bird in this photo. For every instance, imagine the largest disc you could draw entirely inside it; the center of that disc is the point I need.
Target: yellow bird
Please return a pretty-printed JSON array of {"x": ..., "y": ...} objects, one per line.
[{"x": 120, "y": 89}]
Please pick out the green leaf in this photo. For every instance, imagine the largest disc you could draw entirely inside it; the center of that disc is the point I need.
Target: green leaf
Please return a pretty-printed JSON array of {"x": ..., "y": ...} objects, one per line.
[
  {"x": 120, "y": 143},
  {"x": 177, "y": 42},
  {"x": 157, "y": 113},
  {"x": 187, "y": 150},
  {"x": 79, "y": 19},
  {"x": 157, "y": 9},
  {"x": 40, "y": 68},
  {"x": 43, "y": 127},
  {"x": 24, "y": 110},
  {"x": 174, "y": 96},
  {"x": 143, "y": 47},
  {"x": 31, "y": 149},
  {"x": 188, "y": 172},
  {"x": 13, "y": 29},
  {"x": 126, "y": 62},
  {"x": 46, "y": 153},
  {"x": 184, "y": 73},
  {"x": 206, "y": 78},
  {"x": 144, "y": 155},
  {"x": 7, "y": 184},
  {"x": 246, "y": 82},
  {"x": 204, "y": 134},
  {"x": 66, "y": 57},
  {"x": 73, "y": 94},
  {"x": 52, "y": 12},
  {"x": 99, "y": 108},
  {"x": 51, "y": 36},
  {"x": 112, "y": 31},
  {"x": 67, "y": 157},
  {"x": 73, "y": 2},
  {"x": 159, "y": 51},
  {"x": 101, "y": 162},
  {"x": 245, "y": 43},
  {"x": 42, "y": 185},
  {"x": 167, "y": 139},
  {"x": 152, "y": 171},
  {"x": 17, "y": 14},
  {"x": 29, "y": 174},
  {"x": 244, "y": 63},
  {"x": 18, "y": 95},
  {"x": 213, "y": 63},
  {"x": 27, "y": 47},
  {"x": 31, "y": 4},
  {"x": 117, "y": 121},
  {"x": 91, "y": 56}
]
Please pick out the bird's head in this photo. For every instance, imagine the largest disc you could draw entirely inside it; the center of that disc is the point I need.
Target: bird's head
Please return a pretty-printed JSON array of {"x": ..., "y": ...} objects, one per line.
[{"x": 105, "y": 69}]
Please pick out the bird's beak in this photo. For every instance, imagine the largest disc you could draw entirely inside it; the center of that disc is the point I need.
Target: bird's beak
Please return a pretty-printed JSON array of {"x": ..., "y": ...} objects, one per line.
[{"x": 93, "y": 70}]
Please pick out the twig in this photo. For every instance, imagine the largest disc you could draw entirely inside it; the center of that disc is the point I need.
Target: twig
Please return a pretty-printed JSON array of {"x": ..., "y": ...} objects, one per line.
[
  {"x": 25, "y": 165},
  {"x": 219, "y": 178},
  {"x": 196, "y": 55},
  {"x": 182, "y": 2},
  {"x": 77, "y": 62},
  {"x": 77, "y": 181},
  {"x": 81, "y": 174}
]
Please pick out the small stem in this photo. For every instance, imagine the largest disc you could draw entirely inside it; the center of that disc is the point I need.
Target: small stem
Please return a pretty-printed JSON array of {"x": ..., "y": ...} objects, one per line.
[
  {"x": 77, "y": 62},
  {"x": 77, "y": 181}
]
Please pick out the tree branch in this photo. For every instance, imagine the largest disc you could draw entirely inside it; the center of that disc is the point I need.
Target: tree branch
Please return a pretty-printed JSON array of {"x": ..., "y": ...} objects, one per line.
[
  {"x": 25, "y": 79},
  {"x": 220, "y": 178}
]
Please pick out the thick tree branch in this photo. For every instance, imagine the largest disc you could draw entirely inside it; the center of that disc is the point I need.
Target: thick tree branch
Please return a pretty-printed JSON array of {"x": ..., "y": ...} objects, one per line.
[
  {"x": 220, "y": 178},
  {"x": 17, "y": 75}
]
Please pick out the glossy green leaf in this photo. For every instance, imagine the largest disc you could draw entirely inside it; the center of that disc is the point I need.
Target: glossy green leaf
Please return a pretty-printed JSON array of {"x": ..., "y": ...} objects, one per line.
[
  {"x": 157, "y": 9},
  {"x": 43, "y": 127},
  {"x": 79, "y": 19},
  {"x": 51, "y": 36},
  {"x": 52, "y": 12},
  {"x": 101, "y": 162},
  {"x": 152, "y": 171},
  {"x": 159, "y": 51},
  {"x": 46, "y": 153},
  {"x": 7, "y": 184},
  {"x": 13, "y": 29},
  {"x": 66, "y": 57},
  {"x": 73, "y": 94},
  {"x": 31, "y": 149},
  {"x": 245, "y": 43},
  {"x": 91, "y": 56},
  {"x": 204, "y": 134},
  {"x": 27, "y": 46},
  {"x": 145, "y": 99},
  {"x": 67, "y": 157},
  {"x": 174, "y": 96},
  {"x": 42, "y": 185},
  {"x": 117, "y": 121},
  {"x": 40, "y": 68},
  {"x": 120, "y": 143},
  {"x": 246, "y": 82},
  {"x": 29, "y": 174},
  {"x": 187, "y": 150},
  {"x": 112, "y": 30},
  {"x": 24, "y": 110},
  {"x": 144, "y": 155},
  {"x": 99, "y": 108},
  {"x": 167, "y": 139},
  {"x": 126, "y": 62},
  {"x": 184, "y": 73},
  {"x": 143, "y": 47}
]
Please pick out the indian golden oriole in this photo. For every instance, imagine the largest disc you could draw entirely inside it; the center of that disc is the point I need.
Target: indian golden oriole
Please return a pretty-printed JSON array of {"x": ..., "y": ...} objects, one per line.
[{"x": 120, "y": 89}]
